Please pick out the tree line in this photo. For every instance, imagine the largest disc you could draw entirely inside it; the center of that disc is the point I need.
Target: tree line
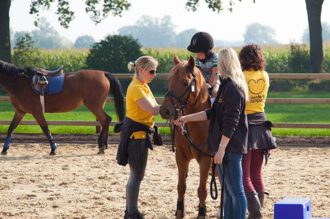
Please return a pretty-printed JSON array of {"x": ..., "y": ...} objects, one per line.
[
  {"x": 98, "y": 10},
  {"x": 154, "y": 33}
]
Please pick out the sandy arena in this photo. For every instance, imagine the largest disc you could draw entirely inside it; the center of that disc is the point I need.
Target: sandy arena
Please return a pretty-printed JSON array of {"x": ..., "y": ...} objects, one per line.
[{"x": 77, "y": 183}]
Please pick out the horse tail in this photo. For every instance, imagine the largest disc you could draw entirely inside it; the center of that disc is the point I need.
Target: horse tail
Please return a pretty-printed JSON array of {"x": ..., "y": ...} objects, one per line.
[{"x": 118, "y": 93}]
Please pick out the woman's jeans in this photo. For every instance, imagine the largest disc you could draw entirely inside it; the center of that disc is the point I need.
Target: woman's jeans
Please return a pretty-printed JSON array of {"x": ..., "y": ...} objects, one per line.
[
  {"x": 137, "y": 160},
  {"x": 234, "y": 196}
]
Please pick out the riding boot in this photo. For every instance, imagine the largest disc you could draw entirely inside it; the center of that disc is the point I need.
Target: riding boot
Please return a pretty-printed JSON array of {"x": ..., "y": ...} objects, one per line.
[
  {"x": 254, "y": 206},
  {"x": 261, "y": 196}
]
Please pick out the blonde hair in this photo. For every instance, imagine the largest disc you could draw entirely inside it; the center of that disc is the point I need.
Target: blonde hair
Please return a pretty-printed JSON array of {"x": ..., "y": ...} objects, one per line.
[
  {"x": 230, "y": 67},
  {"x": 144, "y": 62}
]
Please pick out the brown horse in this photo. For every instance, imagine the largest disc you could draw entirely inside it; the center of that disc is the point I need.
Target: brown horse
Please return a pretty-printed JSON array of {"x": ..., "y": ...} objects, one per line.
[
  {"x": 187, "y": 93},
  {"x": 88, "y": 87}
]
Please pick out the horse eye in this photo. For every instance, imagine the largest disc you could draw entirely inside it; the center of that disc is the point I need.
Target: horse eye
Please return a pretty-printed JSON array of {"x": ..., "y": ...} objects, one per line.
[{"x": 185, "y": 83}]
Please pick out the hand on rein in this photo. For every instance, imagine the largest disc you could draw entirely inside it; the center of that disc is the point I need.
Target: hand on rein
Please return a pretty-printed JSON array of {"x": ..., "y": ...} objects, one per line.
[{"x": 178, "y": 122}]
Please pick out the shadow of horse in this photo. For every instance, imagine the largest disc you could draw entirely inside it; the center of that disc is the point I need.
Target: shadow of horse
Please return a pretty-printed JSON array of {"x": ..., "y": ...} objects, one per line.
[
  {"x": 187, "y": 93},
  {"x": 88, "y": 87}
]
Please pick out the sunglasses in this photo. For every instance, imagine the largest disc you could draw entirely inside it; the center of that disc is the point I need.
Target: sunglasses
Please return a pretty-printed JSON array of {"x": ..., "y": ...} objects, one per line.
[{"x": 152, "y": 72}]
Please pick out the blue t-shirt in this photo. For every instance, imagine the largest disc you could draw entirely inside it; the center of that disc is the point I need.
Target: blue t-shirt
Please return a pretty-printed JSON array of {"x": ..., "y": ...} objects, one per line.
[{"x": 206, "y": 65}]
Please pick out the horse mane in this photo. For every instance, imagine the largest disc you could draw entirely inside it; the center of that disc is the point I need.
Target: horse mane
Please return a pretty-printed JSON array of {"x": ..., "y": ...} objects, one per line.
[{"x": 9, "y": 68}]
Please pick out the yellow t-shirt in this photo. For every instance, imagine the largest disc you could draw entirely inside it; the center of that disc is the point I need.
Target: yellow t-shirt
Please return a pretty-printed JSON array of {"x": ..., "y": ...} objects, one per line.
[
  {"x": 258, "y": 84},
  {"x": 136, "y": 91}
]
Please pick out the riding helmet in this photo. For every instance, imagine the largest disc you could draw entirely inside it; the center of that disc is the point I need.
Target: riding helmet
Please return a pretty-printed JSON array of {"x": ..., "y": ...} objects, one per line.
[{"x": 200, "y": 42}]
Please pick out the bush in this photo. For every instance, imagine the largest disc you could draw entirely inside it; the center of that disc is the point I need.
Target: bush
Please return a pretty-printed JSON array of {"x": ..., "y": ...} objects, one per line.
[
  {"x": 281, "y": 85},
  {"x": 320, "y": 86},
  {"x": 25, "y": 54},
  {"x": 326, "y": 62},
  {"x": 71, "y": 59},
  {"x": 299, "y": 59},
  {"x": 276, "y": 62},
  {"x": 113, "y": 53}
]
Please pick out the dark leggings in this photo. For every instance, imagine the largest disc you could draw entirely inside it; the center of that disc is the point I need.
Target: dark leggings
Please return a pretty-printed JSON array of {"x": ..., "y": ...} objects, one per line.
[
  {"x": 137, "y": 160},
  {"x": 252, "y": 171}
]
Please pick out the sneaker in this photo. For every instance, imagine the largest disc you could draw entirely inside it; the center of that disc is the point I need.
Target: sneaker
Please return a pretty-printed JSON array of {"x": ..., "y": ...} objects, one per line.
[{"x": 135, "y": 215}]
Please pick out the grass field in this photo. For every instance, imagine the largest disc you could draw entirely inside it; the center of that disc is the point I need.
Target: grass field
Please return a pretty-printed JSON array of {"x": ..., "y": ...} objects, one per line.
[{"x": 277, "y": 113}]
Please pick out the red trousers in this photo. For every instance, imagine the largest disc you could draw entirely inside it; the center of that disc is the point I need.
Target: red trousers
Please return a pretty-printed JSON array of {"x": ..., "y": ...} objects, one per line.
[{"x": 252, "y": 171}]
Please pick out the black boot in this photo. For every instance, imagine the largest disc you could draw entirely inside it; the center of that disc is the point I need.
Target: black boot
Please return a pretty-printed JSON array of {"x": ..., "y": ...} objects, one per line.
[
  {"x": 135, "y": 215},
  {"x": 254, "y": 206}
]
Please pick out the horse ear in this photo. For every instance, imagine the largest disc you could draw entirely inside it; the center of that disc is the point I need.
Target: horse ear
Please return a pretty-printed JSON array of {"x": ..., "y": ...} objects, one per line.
[
  {"x": 191, "y": 62},
  {"x": 176, "y": 60}
]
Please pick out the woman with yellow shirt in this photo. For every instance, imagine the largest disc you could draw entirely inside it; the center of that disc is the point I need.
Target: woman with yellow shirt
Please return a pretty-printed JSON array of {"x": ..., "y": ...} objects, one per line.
[
  {"x": 141, "y": 108},
  {"x": 260, "y": 139}
]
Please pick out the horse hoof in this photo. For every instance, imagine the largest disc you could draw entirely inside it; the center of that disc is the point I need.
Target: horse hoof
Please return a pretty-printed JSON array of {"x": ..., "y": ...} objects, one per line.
[
  {"x": 4, "y": 152},
  {"x": 52, "y": 153},
  {"x": 201, "y": 213},
  {"x": 101, "y": 149}
]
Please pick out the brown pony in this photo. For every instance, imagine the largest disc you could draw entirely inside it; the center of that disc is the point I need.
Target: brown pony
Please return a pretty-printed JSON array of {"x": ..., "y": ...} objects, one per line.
[
  {"x": 88, "y": 87},
  {"x": 187, "y": 93}
]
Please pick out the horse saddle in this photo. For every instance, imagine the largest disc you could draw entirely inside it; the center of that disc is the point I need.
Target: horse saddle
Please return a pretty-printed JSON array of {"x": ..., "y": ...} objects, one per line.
[{"x": 46, "y": 82}]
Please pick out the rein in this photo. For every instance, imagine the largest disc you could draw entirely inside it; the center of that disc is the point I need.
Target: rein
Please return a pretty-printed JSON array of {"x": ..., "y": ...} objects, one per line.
[
  {"x": 180, "y": 110},
  {"x": 191, "y": 88}
]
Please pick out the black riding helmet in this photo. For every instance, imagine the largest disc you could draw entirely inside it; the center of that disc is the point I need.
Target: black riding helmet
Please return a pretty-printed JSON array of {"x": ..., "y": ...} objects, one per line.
[{"x": 200, "y": 42}]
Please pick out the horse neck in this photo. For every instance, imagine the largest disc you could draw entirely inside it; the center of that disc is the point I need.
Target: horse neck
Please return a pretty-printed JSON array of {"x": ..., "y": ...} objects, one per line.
[
  {"x": 8, "y": 82},
  {"x": 201, "y": 103}
]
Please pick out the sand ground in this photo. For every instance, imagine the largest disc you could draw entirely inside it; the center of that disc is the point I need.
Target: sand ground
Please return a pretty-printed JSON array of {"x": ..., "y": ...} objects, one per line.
[{"x": 78, "y": 183}]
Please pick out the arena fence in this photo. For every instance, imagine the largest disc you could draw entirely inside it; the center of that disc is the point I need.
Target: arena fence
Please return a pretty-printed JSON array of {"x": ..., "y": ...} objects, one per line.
[{"x": 163, "y": 76}]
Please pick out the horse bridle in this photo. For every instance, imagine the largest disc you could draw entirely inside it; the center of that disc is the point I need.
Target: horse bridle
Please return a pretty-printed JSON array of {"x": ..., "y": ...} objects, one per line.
[
  {"x": 183, "y": 102},
  {"x": 179, "y": 111}
]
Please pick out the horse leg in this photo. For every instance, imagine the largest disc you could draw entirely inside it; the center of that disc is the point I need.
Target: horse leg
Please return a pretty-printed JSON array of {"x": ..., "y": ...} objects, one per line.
[
  {"x": 103, "y": 137},
  {"x": 105, "y": 120},
  {"x": 44, "y": 126},
  {"x": 182, "y": 163},
  {"x": 204, "y": 167},
  {"x": 14, "y": 123}
]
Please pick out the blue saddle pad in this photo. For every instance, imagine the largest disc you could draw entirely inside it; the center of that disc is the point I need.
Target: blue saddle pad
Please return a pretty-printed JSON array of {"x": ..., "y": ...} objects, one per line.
[{"x": 55, "y": 85}]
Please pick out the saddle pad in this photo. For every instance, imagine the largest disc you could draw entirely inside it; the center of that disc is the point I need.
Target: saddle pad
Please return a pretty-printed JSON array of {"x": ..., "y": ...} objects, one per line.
[{"x": 55, "y": 85}]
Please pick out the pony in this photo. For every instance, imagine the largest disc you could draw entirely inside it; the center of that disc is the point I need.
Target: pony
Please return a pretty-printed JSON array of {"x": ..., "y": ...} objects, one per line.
[
  {"x": 188, "y": 93},
  {"x": 88, "y": 87}
]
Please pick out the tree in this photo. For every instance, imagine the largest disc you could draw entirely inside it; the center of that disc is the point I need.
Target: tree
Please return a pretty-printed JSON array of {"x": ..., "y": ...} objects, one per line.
[
  {"x": 45, "y": 36},
  {"x": 113, "y": 53},
  {"x": 5, "y": 31},
  {"x": 259, "y": 34},
  {"x": 114, "y": 7},
  {"x": 184, "y": 37},
  {"x": 325, "y": 33},
  {"x": 152, "y": 32},
  {"x": 314, "y": 9},
  {"x": 85, "y": 41}
]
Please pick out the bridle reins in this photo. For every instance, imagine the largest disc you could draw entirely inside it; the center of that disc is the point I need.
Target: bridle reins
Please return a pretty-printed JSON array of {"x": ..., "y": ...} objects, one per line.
[{"x": 183, "y": 100}]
